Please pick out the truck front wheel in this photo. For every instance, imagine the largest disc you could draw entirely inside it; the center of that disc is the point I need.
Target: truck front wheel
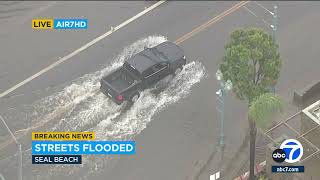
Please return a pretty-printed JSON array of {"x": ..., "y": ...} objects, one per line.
[{"x": 178, "y": 70}]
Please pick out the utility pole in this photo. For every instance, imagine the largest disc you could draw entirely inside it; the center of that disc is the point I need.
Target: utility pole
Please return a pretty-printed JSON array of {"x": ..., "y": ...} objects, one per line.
[
  {"x": 274, "y": 27},
  {"x": 274, "y": 14},
  {"x": 19, "y": 147}
]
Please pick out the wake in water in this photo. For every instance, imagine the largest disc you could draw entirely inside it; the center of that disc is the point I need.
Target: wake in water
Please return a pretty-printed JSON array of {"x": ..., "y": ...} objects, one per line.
[
  {"x": 80, "y": 106},
  {"x": 136, "y": 118},
  {"x": 82, "y": 95}
]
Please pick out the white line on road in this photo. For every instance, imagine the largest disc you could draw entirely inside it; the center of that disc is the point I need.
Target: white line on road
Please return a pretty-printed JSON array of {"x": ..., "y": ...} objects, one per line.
[
  {"x": 215, "y": 176},
  {"x": 251, "y": 12},
  {"x": 266, "y": 9},
  {"x": 2, "y": 178},
  {"x": 94, "y": 41},
  {"x": 255, "y": 15}
]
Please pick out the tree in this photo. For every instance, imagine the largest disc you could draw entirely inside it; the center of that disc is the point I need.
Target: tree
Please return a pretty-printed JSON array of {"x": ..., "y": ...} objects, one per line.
[
  {"x": 261, "y": 109},
  {"x": 252, "y": 62}
]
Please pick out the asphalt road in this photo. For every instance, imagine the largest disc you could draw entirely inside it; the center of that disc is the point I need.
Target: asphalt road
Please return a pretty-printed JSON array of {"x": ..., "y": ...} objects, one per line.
[
  {"x": 34, "y": 49},
  {"x": 183, "y": 135}
]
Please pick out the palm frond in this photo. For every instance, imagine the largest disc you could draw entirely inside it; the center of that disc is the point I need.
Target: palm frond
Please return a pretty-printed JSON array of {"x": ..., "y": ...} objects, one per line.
[{"x": 264, "y": 107}]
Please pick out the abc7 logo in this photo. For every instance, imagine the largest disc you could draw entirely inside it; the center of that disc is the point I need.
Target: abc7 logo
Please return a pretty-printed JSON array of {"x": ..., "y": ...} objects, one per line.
[
  {"x": 290, "y": 151},
  {"x": 279, "y": 155}
]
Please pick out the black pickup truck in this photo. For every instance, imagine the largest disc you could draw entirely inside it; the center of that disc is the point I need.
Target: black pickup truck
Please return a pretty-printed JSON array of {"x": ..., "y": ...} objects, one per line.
[{"x": 143, "y": 71}]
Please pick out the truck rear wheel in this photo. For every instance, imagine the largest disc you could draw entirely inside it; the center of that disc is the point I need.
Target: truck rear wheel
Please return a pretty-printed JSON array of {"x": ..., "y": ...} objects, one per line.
[{"x": 135, "y": 97}]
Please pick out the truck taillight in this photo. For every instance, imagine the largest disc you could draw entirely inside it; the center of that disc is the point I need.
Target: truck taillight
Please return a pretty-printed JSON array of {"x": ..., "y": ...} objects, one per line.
[{"x": 119, "y": 97}]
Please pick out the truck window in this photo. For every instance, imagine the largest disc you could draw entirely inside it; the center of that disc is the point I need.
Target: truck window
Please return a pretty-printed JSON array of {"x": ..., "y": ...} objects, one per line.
[
  {"x": 148, "y": 72},
  {"x": 159, "y": 66},
  {"x": 154, "y": 69},
  {"x": 131, "y": 69}
]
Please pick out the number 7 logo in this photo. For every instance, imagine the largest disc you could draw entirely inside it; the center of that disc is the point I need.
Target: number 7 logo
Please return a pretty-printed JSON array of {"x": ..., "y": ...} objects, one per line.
[{"x": 293, "y": 150}]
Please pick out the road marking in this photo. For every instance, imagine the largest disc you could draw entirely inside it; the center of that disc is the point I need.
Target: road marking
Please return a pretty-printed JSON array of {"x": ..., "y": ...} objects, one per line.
[
  {"x": 178, "y": 41},
  {"x": 2, "y": 178},
  {"x": 215, "y": 176},
  {"x": 251, "y": 12},
  {"x": 255, "y": 15},
  {"x": 210, "y": 22},
  {"x": 266, "y": 9},
  {"x": 94, "y": 41}
]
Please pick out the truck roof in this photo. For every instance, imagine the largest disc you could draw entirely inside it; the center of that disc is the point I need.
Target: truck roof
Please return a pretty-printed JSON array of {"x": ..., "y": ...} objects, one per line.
[
  {"x": 151, "y": 56},
  {"x": 170, "y": 50}
]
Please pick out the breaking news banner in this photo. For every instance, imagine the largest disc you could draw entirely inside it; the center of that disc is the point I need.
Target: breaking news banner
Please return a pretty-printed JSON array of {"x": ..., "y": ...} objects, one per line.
[
  {"x": 67, "y": 147},
  {"x": 64, "y": 136},
  {"x": 82, "y": 147}
]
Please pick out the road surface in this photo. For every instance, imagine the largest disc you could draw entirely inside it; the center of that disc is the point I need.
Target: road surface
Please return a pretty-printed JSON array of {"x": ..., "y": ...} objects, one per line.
[{"x": 178, "y": 138}]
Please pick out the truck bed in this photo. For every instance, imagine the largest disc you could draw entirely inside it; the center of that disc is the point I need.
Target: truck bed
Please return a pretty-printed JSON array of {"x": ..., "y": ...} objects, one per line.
[{"x": 119, "y": 80}]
